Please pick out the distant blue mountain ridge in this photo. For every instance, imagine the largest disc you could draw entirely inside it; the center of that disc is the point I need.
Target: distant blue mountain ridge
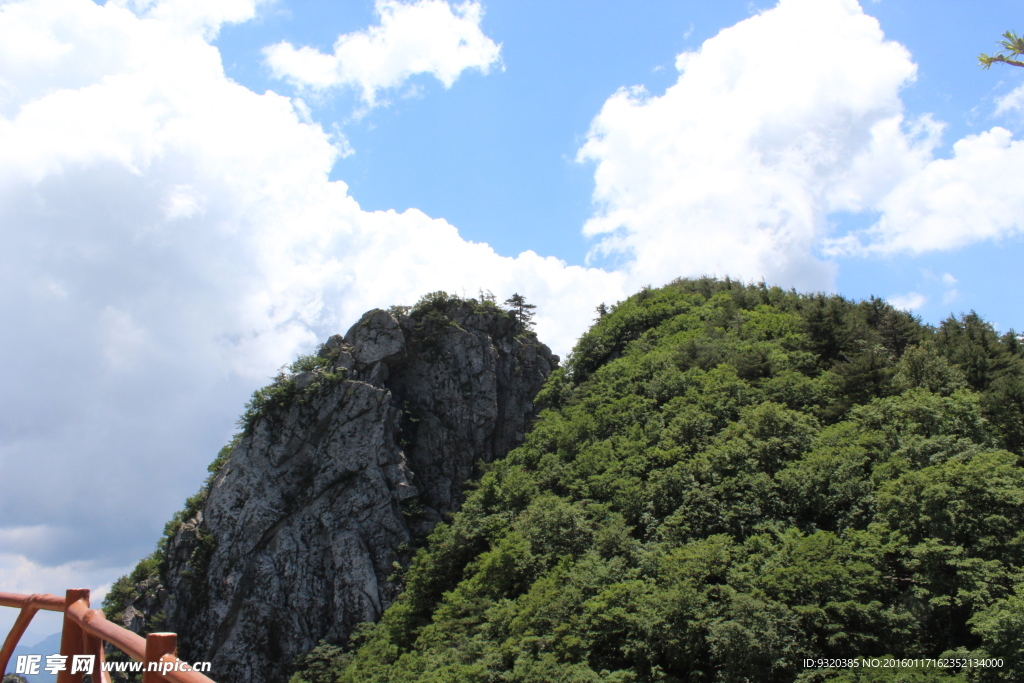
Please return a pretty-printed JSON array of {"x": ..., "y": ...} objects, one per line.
[{"x": 50, "y": 645}]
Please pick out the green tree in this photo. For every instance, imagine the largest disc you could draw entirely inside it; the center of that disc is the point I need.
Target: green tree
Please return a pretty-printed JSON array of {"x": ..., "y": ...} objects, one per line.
[
  {"x": 522, "y": 311},
  {"x": 1013, "y": 46}
]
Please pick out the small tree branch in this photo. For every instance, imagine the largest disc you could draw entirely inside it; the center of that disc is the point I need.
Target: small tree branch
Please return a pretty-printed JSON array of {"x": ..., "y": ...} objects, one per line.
[
  {"x": 987, "y": 61},
  {"x": 1012, "y": 46}
]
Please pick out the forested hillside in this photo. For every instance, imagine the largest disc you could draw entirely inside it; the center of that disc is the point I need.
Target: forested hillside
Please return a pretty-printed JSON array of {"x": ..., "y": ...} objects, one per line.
[{"x": 728, "y": 479}]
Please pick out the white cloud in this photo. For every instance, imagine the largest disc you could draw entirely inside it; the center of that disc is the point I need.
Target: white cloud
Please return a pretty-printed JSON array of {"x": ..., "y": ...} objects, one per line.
[
  {"x": 183, "y": 201},
  {"x": 1011, "y": 101},
  {"x": 775, "y": 123},
  {"x": 772, "y": 124},
  {"x": 950, "y": 203},
  {"x": 170, "y": 238},
  {"x": 909, "y": 301},
  {"x": 194, "y": 15},
  {"x": 423, "y": 37},
  {"x": 948, "y": 279}
]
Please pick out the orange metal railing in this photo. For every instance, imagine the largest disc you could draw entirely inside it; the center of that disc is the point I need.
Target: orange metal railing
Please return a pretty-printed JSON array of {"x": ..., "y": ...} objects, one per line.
[{"x": 84, "y": 633}]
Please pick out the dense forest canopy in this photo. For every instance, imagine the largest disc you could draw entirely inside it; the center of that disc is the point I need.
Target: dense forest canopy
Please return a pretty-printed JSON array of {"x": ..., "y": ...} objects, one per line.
[{"x": 728, "y": 479}]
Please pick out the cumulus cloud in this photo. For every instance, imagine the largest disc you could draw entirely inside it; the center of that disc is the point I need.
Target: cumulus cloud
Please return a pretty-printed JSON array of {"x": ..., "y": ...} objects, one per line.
[
  {"x": 194, "y": 15},
  {"x": 773, "y": 125},
  {"x": 909, "y": 301},
  {"x": 950, "y": 203},
  {"x": 423, "y": 37},
  {"x": 170, "y": 238}
]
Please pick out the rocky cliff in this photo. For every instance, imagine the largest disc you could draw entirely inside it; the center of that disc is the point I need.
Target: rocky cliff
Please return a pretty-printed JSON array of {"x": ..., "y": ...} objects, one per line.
[{"x": 344, "y": 466}]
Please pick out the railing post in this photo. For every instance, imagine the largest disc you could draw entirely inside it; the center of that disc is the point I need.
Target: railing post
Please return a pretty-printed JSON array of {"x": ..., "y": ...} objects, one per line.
[
  {"x": 158, "y": 645},
  {"x": 17, "y": 631},
  {"x": 93, "y": 645},
  {"x": 72, "y": 637}
]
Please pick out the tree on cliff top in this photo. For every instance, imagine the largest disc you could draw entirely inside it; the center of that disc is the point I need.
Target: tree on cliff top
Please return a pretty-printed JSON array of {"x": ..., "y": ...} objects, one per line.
[{"x": 522, "y": 311}]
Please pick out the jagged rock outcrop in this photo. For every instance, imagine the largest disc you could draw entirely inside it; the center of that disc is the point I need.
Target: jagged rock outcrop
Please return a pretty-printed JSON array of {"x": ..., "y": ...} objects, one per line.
[{"x": 339, "y": 477}]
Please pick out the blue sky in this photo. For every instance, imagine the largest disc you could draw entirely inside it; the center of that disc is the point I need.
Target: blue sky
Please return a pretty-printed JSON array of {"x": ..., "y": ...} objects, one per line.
[{"x": 193, "y": 193}]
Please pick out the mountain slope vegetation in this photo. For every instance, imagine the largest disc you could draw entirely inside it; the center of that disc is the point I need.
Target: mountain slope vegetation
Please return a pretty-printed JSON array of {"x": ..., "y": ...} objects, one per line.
[{"x": 729, "y": 479}]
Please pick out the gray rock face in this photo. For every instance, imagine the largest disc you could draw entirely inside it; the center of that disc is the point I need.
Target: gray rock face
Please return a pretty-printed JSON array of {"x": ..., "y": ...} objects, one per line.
[
  {"x": 328, "y": 490},
  {"x": 377, "y": 336}
]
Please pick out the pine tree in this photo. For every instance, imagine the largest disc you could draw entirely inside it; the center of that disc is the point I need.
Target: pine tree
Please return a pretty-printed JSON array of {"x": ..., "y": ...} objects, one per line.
[{"x": 521, "y": 311}]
